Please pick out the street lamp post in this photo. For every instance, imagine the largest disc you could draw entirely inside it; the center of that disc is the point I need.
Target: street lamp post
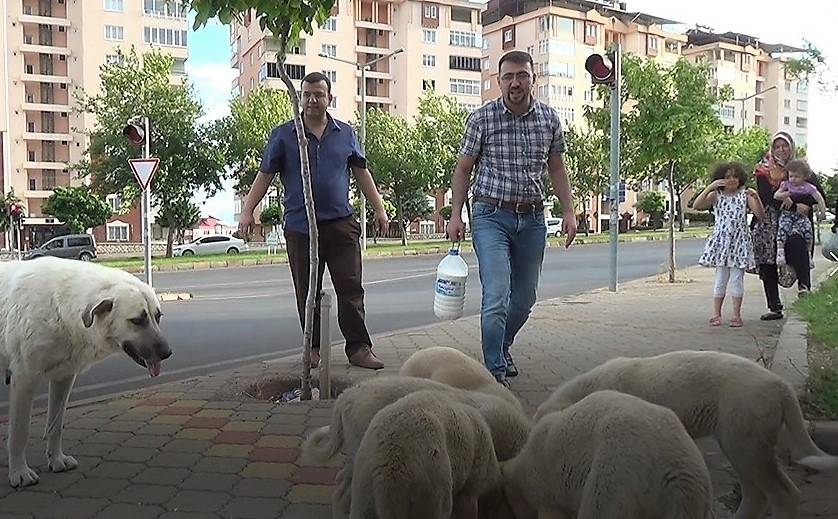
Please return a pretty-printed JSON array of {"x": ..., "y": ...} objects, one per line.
[
  {"x": 743, "y": 99},
  {"x": 362, "y": 133}
]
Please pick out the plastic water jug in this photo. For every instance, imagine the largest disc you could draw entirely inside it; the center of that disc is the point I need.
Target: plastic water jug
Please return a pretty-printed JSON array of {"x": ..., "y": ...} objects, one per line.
[{"x": 450, "y": 291}]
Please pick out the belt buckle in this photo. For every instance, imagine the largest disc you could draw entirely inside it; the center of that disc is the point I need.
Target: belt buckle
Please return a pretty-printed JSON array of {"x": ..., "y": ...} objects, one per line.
[{"x": 529, "y": 206}]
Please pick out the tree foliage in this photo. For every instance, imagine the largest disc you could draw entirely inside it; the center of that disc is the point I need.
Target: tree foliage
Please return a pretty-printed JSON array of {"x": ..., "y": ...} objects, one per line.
[
  {"x": 78, "y": 207},
  {"x": 5, "y": 218},
  {"x": 272, "y": 215},
  {"x": 439, "y": 126},
  {"x": 285, "y": 21},
  {"x": 669, "y": 125},
  {"x": 245, "y": 130},
  {"x": 587, "y": 161},
  {"x": 181, "y": 213},
  {"x": 134, "y": 86}
]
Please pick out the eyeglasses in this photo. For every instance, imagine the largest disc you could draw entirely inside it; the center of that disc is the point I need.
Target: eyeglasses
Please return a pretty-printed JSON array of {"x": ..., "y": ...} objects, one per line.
[{"x": 520, "y": 76}]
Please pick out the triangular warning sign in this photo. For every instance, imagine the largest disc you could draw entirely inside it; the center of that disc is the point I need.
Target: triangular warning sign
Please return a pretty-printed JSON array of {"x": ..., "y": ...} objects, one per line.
[{"x": 144, "y": 170}]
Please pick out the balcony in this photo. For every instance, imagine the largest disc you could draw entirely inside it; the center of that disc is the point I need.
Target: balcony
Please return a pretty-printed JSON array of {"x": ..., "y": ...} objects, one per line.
[
  {"x": 44, "y": 49},
  {"x": 368, "y": 24},
  {"x": 40, "y": 136},
  {"x": 37, "y": 193},
  {"x": 44, "y": 165},
  {"x": 371, "y": 99},
  {"x": 44, "y": 78},
  {"x": 46, "y": 107},
  {"x": 375, "y": 74},
  {"x": 44, "y": 20}
]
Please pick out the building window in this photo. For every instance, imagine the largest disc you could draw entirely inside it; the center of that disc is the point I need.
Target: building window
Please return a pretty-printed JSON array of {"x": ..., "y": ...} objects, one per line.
[
  {"x": 428, "y": 84},
  {"x": 113, "y": 59},
  {"x": 802, "y": 105},
  {"x": 270, "y": 71},
  {"x": 507, "y": 35},
  {"x": 430, "y": 11},
  {"x": 461, "y": 14},
  {"x": 334, "y": 102},
  {"x": 428, "y": 60},
  {"x": 332, "y": 75},
  {"x": 48, "y": 179},
  {"x": 164, "y": 9},
  {"x": 487, "y": 84},
  {"x": 464, "y": 86},
  {"x": 463, "y": 39},
  {"x": 114, "y": 5},
  {"x": 114, "y": 32},
  {"x": 117, "y": 231},
  {"x": 802, "y": 87},
  {"x": 428, "y": 36},
  {"x": 330, "y": 25},
  {"x": 329, "y": 49},
  {"x": 464, "y": 63},
  {"x": 165, "y": 37}
]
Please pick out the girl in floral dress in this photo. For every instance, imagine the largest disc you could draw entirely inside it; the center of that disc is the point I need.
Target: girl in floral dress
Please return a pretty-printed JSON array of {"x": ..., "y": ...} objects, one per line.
[{"x": 729, "y": 248}]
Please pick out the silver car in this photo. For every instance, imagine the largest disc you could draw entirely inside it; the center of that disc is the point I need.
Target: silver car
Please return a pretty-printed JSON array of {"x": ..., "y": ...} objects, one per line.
[{"x": 212, "y": 244}]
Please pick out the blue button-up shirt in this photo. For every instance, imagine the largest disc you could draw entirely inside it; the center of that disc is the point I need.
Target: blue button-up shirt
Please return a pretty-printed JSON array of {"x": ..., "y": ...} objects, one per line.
[{"x": 330, "y": 159}]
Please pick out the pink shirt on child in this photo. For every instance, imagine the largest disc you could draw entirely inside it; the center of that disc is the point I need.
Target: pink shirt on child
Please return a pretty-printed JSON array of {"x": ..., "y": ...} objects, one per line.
[{"x": 803, "y": 189}]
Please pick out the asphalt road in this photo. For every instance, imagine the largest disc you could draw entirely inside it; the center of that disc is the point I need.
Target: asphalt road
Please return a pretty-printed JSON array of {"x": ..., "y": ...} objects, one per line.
[{"x": 243, "y": 315}]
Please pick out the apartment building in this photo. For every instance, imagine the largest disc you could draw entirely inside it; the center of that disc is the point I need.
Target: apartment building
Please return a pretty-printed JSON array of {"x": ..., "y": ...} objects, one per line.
[
  {"x": 53, "y": 47},
  {"x": 561, "y": 34},
  {"x": 438, "y": 44},
  {"x": 763, "y": 95}
]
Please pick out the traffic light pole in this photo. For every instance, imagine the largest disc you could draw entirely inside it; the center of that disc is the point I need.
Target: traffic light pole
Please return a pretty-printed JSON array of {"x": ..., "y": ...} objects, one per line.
[
  {"x": 614, "y": 198},
  {"x": 146, "y": 209}
]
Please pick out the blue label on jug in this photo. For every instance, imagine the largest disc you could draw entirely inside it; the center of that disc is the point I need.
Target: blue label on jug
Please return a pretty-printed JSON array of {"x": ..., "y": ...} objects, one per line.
[{"x": 449, "y": 287}]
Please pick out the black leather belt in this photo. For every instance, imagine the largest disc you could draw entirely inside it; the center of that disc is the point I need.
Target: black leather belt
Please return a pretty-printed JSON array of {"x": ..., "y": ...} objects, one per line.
[{"x": 515, "y": 207}]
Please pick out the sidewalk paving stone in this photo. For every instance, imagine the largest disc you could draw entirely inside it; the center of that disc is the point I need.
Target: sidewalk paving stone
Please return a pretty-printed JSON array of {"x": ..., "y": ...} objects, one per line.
[{"x": 203, "y": 448}]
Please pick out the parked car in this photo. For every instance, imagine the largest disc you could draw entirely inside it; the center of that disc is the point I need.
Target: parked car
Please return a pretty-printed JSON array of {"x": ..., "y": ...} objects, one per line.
[
  {"x": 70, "y": 246},
  {"x": 554, "y": 226},
  {"x": 212, "y": 244}
]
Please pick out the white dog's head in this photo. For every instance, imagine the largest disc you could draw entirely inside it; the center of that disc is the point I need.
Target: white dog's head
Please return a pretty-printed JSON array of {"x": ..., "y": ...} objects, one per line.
[{"x": 127, "y": 316}]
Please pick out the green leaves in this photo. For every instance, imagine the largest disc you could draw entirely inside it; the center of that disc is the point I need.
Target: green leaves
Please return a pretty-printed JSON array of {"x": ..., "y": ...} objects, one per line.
[
  {"x": 587, "y": 161},
  {"x": 78, "y": 207},
  {"x": 245, "y": 131},
  {"x": 271, "y": 215}
]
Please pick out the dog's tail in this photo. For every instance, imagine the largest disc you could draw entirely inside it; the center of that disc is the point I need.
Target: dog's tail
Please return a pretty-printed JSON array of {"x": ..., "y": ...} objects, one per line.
[
  {"x": 323, "y": 443},
  {"x": 811, "y": 456}
]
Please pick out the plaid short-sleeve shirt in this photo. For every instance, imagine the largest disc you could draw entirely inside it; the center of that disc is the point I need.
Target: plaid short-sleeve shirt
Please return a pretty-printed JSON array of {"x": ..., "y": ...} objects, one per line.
[{"x": 512, "y": 150}]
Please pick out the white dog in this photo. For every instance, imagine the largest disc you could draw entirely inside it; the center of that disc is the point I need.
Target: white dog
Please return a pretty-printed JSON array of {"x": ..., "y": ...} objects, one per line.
[
  {"x": 609, "y": 456},
  {"x": 455, "y": 368},
  {"x": 424, "y": 456},
  {"x": 727, "y": 396},
  {"x": 59, "y": 317},
  {"x": 354, "y": 409}
]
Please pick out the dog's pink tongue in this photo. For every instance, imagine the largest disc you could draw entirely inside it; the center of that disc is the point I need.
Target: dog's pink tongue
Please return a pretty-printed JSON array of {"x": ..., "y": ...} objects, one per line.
[{"x": 154, "y": 368}]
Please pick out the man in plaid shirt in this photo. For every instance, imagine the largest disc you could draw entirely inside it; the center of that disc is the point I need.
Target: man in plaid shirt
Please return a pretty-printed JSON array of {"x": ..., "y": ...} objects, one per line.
[{"x": 510, "y": 143}]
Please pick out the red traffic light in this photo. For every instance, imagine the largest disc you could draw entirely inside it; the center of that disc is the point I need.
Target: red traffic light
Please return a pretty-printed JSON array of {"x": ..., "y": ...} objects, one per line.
[
  {"x": 601, "y": 69},
  {"x": 135, "y": 134}
]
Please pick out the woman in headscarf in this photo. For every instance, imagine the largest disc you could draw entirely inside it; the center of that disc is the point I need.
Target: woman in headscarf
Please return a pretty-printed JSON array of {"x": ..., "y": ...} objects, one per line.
[{"x": 769, "y": 173}]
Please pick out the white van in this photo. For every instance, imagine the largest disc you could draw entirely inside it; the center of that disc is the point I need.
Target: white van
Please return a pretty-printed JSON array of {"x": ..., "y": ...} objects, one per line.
[{"x": 554, "y": 226}]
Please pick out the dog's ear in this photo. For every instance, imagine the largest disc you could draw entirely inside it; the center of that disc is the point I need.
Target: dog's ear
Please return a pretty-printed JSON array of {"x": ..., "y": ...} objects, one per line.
[{"x": 93, "y": 309}]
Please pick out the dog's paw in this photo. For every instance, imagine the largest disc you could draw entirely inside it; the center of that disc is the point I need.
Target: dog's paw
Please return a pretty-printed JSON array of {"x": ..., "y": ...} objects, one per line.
[
  {"x": 62, "y": 462},
  {"x": 22, "y": 477}
]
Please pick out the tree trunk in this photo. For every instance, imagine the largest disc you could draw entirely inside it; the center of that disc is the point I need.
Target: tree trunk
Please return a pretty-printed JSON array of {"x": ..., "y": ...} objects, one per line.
[
  {"x": 585, "y": 226},
  {"x": 308, "y": 327},
  {"x": 681, "y": 224},
  {"x": 170, "y": 236},
  {"x": 671, "y": 222},
  {"x": 400, "y": 219}
]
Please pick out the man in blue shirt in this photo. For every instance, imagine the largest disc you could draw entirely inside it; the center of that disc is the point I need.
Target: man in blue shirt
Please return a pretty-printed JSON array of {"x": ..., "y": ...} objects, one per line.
[{"x": 334, "y": 153}]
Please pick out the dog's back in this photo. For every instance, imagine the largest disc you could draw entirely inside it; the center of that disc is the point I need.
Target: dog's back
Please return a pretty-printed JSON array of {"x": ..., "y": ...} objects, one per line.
[
  {"x": 419, "y": 455},
  {"x": 639, "y": 461}
]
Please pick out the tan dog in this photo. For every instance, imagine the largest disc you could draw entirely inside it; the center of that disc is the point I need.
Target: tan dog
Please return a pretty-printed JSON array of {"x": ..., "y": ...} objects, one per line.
[
  {"x": 455, "y": 368},
  {"x": 425, "y": 456},
  {"x": 354, "y": 409},
  {"x": 59, "y": 317},
  {"x": 727, "y": 396},
  {"x": 609, "y": 456}
]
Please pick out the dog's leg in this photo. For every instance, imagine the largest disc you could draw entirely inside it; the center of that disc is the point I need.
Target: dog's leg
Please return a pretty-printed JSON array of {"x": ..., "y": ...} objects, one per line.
[
  {"x": 59, "y": 393},
  {"x": 20, "y": 413}
]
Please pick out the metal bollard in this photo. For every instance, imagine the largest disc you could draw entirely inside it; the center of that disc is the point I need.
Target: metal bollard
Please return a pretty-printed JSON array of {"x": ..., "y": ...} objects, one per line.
[{"x": 325, "y": 346}]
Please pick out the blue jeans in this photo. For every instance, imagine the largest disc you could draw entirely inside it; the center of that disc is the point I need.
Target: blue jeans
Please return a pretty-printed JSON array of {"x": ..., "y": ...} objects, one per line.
[{"x": 510, "y": 251}]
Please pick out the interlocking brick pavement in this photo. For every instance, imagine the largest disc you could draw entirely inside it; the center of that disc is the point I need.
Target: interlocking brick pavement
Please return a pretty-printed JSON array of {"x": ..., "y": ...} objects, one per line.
[{"x": 204, "y": 448}]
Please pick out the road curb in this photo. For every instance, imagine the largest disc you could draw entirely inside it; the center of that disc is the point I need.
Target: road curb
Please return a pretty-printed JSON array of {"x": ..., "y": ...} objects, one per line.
[
  {"x": 173, "y": 296},
  {"x": 204, "y": 265}
]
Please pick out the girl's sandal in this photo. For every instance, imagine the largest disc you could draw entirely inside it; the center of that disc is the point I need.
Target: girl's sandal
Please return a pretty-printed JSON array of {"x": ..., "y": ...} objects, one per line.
[
  {"x": 715, "y": 321},
  {"x": 735, "y": 322}
]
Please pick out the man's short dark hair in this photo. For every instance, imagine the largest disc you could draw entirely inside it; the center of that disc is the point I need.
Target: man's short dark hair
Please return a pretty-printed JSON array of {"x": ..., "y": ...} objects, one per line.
[
  {"x": 721, "y": 168},
  {"x": 316, "y": 77},
  {"x": 518, "y": 57}
]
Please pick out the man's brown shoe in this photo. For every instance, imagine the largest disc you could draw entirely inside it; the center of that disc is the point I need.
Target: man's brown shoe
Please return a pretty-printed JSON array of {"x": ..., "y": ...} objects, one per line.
[
  {"x": 365, "y": 358},
  {"x": 315, "y": 358}
]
